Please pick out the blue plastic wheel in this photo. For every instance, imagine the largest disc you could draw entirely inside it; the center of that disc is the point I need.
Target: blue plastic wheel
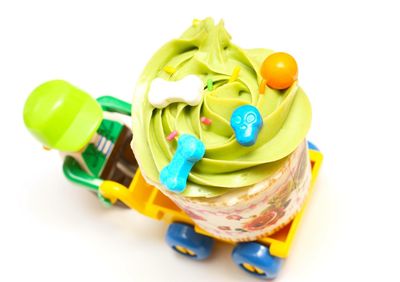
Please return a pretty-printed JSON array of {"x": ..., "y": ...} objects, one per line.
[
  {"x": 312, "y": 146},
  {"x": 183, "y": 239},
  {"x": 255, "y": 259}
]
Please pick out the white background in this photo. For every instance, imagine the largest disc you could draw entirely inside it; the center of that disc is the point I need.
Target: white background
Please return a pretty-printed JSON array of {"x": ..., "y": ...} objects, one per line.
[{"x": 348, "y": 56}]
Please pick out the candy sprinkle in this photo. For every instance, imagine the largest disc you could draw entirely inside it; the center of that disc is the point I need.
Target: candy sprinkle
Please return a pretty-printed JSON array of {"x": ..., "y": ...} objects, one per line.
[
  {"x": 205, "y": 120},
  {"x": 235, "y": 74},
  {"x": 170, "y": 70},
  {"x": 210, "y": 84},
  {"x": 172, "y": 135},
  {"x": 261, "y": 90}
]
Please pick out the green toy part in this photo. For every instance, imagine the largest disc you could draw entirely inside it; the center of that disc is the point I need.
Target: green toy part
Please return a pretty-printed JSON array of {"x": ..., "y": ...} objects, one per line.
[
  {"x": 95, "y": 159},
  {"x": 74, "y": 172},
  {"x": 111, "y": 104},
  {"x": 62, "y": 116}
]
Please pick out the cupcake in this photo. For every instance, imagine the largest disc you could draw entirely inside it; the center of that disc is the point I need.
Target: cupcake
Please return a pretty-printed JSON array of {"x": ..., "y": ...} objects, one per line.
[{"x": 253, "y": 172}]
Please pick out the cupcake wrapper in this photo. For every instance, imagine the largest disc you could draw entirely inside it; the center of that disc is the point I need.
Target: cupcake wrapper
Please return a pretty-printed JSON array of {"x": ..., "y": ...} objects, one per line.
[{"x": 254, "y": 212}]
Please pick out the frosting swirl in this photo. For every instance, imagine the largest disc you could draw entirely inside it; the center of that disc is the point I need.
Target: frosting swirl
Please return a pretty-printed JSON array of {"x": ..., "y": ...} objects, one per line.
[{"x": 205, "y": 50}]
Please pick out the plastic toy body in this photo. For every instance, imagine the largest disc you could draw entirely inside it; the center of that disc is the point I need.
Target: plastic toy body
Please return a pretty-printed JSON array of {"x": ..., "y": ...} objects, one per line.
[
  {"x": 261, "y": 258},
  {"x": 189, "y": 151},
  {"x": 95, "y": 147}
]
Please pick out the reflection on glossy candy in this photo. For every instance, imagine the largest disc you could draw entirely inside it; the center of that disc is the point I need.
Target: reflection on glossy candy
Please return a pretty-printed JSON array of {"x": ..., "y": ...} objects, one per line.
[
  {"x": 246, "y": 121},
  {"x": 189, "y": 151}
]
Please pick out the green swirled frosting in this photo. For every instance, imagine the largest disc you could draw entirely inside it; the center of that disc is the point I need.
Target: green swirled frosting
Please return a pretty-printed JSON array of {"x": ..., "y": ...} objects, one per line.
[{"x": 206, "y": 50}]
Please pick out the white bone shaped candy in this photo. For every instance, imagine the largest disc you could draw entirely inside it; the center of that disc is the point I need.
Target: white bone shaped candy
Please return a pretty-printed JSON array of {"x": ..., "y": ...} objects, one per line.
[{"x": 188, "y": 90}]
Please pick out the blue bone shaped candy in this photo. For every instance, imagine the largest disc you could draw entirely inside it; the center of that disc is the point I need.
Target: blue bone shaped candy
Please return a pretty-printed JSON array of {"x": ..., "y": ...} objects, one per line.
[
  {"x": 189, "y": 151},
  {"x": 246, "y": 121}
]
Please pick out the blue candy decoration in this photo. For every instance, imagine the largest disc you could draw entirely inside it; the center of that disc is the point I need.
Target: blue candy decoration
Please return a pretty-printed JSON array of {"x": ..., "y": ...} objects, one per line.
[
  {"x": 246, "y": 121},
  {"x": 190, "y": 150}
]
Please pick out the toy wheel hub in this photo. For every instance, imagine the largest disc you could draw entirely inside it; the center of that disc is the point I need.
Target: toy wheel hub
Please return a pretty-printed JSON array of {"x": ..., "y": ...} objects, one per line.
[
  {"x": 252, "y": 269},
  {"x": 185, "y": 251}
]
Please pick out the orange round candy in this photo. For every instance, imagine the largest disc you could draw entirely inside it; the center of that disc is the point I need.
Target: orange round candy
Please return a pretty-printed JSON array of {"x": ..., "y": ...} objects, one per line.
[{"x": 279, "y": 70}]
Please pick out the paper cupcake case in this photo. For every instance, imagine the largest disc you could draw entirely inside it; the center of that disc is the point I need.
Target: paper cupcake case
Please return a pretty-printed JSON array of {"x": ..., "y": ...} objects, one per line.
[{"x": 251, "y": 213}]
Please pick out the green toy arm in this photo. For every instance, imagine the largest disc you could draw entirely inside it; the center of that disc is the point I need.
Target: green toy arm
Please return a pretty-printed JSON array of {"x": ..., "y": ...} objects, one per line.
[
  {"x": 111, "y": 104},
  {"x": 74, "y": 172}
]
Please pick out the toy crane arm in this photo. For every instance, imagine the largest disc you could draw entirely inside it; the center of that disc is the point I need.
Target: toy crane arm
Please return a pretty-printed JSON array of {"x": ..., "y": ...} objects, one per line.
[{"x": 111, "y": 104}]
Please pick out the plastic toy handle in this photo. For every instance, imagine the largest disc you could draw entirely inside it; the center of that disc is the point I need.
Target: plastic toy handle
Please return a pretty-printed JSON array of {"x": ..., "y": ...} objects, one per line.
[{"x": 111, "y": 189}]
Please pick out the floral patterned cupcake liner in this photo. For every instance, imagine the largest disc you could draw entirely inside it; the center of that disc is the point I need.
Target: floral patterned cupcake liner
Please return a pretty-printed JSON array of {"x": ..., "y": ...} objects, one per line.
[{"x": 256, "y": 211}]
